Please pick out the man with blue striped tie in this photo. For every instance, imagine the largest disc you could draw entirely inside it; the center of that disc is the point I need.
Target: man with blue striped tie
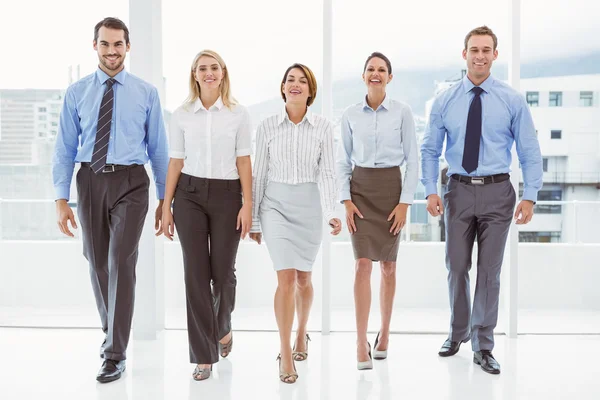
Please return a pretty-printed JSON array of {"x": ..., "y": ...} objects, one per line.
[
  {"x": 111, "y": 122},
  {"x": 480, "y": 118}
]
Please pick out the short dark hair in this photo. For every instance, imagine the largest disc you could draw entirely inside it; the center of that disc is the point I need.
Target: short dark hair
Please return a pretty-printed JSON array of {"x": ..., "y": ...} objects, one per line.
[
  {"x": 383, "y": 57},
  {"x": 310, "y": 77},
  {"x": 482, "y": 31},
  {"x": 112, "y": 23}
]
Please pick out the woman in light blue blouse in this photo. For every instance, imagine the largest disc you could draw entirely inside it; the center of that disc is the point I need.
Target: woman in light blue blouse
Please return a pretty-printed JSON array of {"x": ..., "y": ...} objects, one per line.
[{"x": 378, "y": 136}]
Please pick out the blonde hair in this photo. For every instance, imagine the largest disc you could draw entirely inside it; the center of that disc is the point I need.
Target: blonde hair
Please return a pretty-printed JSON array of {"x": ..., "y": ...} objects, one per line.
[{"x": 228, "y": 99}]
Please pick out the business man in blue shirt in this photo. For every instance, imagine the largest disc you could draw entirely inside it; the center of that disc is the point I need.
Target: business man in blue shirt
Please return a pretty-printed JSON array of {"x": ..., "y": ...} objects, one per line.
[
  {"x": 111, "y": 123},
  {"x": 480, "y": 118}
]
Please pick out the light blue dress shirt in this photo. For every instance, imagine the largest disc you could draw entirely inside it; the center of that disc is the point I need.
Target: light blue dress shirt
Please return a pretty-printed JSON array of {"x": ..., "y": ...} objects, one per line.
[
  {"x": 379, "y": 138},
  {"x": 506, "y": 120},
  {"x": 137, "y": 129}
]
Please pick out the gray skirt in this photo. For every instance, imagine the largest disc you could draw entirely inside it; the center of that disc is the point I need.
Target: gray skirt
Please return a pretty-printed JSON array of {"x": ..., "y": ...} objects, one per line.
[{"x": 292, "y": 224}]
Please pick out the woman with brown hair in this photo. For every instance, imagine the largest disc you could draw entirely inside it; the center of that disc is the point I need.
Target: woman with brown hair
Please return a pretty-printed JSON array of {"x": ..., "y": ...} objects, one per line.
[
  {"x": 378, "y": 136},
  {"x": 294, "y": 167}
]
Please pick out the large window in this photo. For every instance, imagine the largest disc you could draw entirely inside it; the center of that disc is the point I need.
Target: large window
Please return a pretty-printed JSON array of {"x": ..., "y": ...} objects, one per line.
[
  {"x": 44, "y": 276},
  {"x": 554, "y": 267},
  {"x": 421, "y": 302},
  {"x": 257, "y": 46}
]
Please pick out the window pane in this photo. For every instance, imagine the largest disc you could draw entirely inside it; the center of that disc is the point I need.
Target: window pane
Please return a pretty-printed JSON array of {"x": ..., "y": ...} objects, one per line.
[
  {"x": 421, "y": 301},
  {"x": 556, "y": 268},
  {"x": 45, "y": 278},
  {"x": 586, "y": 99}
]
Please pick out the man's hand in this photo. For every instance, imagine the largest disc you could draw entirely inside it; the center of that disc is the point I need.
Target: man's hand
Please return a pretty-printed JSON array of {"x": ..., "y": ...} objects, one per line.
[
  {"x": 158, "y": 218},
  {"x": 256, "y": 236},
  {"x": 65, "y": 214},
  {"x": 351, "y": 211},
  {"x": 399, "y": 217},
  {"x": 435, "y": 205},
  {"x": 524, "y": 212},
  {"x": 244, "y": 219}
]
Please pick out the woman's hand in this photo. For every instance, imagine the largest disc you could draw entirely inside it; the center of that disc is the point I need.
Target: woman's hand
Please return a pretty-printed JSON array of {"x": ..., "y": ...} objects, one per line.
[
  {"x": 168, "y": 225},
  {"x": 336, "y": 224},
  {"x": 399, "y": 217},
  {"x": 351, "y": 211},
  {"x": 256, "y": 236},
  {"x": 244, "y": 219}
]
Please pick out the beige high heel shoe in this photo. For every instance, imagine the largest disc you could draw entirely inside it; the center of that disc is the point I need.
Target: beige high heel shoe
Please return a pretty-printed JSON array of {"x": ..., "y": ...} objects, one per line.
[
  {"x": 201, "y": 374},
  {"x": 366, "y": 364},
  {"x": 301, "y": 355},
  {"x": 286, "y": 377},
  {"x": 225, "y": 349}
]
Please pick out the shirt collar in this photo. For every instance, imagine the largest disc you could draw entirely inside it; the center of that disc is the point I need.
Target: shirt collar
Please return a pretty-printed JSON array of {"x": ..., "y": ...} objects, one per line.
[
  {"x": 199, "y": 106},
  {"x": 283, "y": 116},
  {"x": 385, "y": 104},
  {"x": 103, "y": 76},
  {"x": 485, "y": 85}
]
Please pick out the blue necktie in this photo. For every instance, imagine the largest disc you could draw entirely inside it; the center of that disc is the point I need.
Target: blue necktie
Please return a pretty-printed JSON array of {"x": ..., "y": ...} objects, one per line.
[
  {"x": 103, "y": 131},
  {"x": 473, "y": 136}
]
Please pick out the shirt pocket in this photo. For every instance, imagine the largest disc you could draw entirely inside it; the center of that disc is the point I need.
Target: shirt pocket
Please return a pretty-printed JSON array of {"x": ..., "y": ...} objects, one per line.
[
  {"x": 498, "y": 122},
  {"x": 132, "y": 120}
]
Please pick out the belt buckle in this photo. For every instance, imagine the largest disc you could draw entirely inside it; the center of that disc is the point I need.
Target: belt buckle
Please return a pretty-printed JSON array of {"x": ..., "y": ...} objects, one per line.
[
  {"x": 477, "y": 181},
  {"x": 111, "y": 168}
]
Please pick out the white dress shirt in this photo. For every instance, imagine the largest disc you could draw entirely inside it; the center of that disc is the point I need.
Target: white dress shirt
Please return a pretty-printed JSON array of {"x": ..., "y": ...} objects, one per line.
[
  {"x": 293, "y": 154},
  {"x": 210, "y": 140},
  {"x": 379, "y": 138}
]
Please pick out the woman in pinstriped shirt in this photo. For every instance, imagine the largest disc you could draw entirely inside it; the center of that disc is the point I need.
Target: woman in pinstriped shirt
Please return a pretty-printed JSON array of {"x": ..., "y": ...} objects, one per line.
[{"x": 294, "y": 167}]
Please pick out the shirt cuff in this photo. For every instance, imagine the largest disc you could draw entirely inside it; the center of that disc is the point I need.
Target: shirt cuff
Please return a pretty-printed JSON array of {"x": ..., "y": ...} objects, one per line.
[
  {"x": 530, "y": 194},
  {"x": 255, "y": 227},
  {"x": 177, "y": 154},
  {"x": 243, "y": 152},
  {"x": 62, "y": 192},
  {"x": 430, "y": 188},
  {"x": 345, "y": 195},
  {"x": 407, "y": 197},
  {"x": 160, "y": 192}
]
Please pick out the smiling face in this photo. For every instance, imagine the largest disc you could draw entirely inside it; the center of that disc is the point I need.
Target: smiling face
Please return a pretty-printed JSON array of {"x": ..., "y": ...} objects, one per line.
[
  {"x": 208, "y": 73},
  {"x": 295, "y": 88},
  {"x": 376, "y": 75},
  {"x": 112, "y": 49},
  {"x": 480, "y": 55}
]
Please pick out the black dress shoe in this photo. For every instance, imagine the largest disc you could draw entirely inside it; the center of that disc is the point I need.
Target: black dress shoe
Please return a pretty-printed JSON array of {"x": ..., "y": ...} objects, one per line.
[
  {"x": 111, "y": 370},
  {"x": 487, "y": 361},
  {"x": 450, "y": 348}
]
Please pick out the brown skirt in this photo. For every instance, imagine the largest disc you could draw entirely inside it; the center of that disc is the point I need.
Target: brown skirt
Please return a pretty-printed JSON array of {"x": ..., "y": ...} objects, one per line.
[{"x": 376, "y": 192}]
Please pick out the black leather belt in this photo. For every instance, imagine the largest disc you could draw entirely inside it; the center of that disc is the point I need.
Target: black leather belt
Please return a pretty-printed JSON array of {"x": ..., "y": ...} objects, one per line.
[
  {"x": 112, "y": 167},
  {"x": 481, "y": 180}
]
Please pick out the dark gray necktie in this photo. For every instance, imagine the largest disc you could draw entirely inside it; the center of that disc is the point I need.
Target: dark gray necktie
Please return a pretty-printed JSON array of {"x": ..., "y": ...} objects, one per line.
[
  {"x": 473, "y": 136},
  {"x": 104, "y": 124}
]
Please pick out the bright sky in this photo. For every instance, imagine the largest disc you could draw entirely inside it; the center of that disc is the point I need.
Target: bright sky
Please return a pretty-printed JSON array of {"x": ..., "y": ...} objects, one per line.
[{"x": 259, "y": 39}]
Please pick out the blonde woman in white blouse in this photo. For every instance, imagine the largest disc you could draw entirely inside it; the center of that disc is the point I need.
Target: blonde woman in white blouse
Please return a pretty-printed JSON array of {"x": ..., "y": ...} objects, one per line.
[
  {"x": 209, "y": 173},
  {"x": 293, "y": 179}
]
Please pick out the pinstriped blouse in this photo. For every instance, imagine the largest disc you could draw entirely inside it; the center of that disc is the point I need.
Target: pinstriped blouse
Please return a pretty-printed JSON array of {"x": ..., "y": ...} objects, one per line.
[{"x": 294, "y": 154}]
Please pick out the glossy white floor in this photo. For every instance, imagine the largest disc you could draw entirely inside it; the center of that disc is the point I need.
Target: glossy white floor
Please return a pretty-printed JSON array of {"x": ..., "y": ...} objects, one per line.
[{"x": 62, "y": 363}]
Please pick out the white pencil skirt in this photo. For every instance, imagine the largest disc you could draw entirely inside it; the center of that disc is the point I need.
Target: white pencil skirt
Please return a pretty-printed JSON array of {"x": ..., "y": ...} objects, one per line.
[{"x": 292, "y": 224}]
